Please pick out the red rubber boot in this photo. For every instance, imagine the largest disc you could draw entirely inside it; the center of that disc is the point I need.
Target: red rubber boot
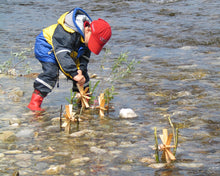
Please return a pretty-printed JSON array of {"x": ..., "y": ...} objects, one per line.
[{"x": 36, "y": 100}]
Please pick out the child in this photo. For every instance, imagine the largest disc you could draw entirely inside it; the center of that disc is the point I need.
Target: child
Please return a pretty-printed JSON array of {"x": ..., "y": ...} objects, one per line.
[{"x": 67, "y": 46}]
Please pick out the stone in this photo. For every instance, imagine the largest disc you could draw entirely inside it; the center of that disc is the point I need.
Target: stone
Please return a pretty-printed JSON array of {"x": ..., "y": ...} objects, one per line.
[
  {"x": 53, "y": 170},
  {"x": 80, "y": 161},
  {"x": 127, "y": 113},
  {"x": 7, "y": 136},
  {"x": 14, "y": 122},
  {"x": 13, "y": 152},
  {"x": 110, "y": 144},
  {"x": 190, "y": 165},
  {"x": 81, "y": 133},
  {"x": 2, "y": 155},
  {"x": 25, "y": 133},
  {"x": 23, "y": 164},
  {"x": 157, "y": 165},
  {"x": 147, "y": 160},
  {"x": 97, "y": 150}
]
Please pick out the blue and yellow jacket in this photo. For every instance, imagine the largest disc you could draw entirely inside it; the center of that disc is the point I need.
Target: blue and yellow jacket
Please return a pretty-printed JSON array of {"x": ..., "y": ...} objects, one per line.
[{"x": 63, "y": 43}]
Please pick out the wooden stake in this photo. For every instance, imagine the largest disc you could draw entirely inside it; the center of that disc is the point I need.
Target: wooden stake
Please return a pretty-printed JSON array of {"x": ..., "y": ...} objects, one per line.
[{"x": 156, "y": 146}]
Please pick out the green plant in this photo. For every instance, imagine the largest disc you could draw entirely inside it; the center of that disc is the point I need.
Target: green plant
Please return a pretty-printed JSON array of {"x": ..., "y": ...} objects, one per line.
[
  {"x": 122, "y": 67},
  {"x": 92, "y": 91},
  {"x": 109, "y": 95},
  {"x": 17, "y": 61},
  {"x": 72, "y": 99}
]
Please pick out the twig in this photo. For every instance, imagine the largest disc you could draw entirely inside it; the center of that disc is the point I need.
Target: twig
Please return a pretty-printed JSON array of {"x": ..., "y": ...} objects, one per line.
[
  {"x": 61, "y": 109},
  {"x": 156, "y": 145}
]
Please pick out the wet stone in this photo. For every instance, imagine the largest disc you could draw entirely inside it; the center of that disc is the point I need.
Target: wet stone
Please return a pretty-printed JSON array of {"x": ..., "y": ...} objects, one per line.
[
  {"x": 97, "y": 150},
  {"x": 110, "y": 144},
  {"x": 16, "y": 91},
  {"x": 190, "y": 165},
  {"x": 54, "y": 170},
  {"x": 80, "y": 161},
  {"x": 7, "y": 136},
  {"x": 81, "y": 133},
  {"x": 115, "y": 152},
  {"x": 2, "y": 155},
  {"x": 23, "y": 156},
  {"x": 12, "y": 152},
  {"x": 24, "y": 164},
  {"x": 41, "y": 166},
  {"x": 127, "y": 113},
  {"x": 53, "y": 129},
  {"x": 147, "y": 160},
  {"x": 157, "y": 165},
  {"x": 25, "y": 133},
  {"x": 14, "y": 121}
]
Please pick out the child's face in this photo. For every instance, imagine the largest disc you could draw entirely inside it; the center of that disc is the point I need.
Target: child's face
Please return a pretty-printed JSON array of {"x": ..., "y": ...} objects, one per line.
[{"x": 87, "y": 35}]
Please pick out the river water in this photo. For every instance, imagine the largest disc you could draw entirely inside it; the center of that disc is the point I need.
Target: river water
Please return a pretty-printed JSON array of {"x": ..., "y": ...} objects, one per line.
[{"x": 177, "y": 43}]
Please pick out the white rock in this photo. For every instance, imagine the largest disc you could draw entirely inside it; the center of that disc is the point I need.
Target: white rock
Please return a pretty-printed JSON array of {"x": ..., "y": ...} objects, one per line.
[{"x": 127, "y": 113}]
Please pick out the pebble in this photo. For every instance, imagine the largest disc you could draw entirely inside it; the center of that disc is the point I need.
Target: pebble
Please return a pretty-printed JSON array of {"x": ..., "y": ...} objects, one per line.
[
  {"x": 81, "y": 133},
  {"x": 97, "y": 150},
  {"x": 127, "y": 113},
  {"x": 80, "y": 161},
  {"x": 115, "y": 152},
  {"x": 12, "y": 152},
  {"x": 157, "y": 165},
  {"x": 7, "y": 136},
  {"x": 190, "y": 165},
  {"x": 2, "y": 155},
  {"x": 147, "y": 160},
  {"x": 23, "y": 164},
  {"x": 23, "y": 156},
  {"x": 25, "y": 133},
  {"x": 53, "y": 170},
  {"x": 14, "y": 121}
]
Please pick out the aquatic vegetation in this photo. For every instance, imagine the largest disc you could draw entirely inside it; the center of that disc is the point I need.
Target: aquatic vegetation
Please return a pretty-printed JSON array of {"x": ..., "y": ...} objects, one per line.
[
  {"x": 16, "y": 62},
  {"x": 122, "y": 67}
]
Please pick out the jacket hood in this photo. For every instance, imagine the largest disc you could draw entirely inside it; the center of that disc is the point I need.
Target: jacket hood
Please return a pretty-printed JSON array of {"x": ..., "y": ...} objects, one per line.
[{"x": 75, "y": 20}]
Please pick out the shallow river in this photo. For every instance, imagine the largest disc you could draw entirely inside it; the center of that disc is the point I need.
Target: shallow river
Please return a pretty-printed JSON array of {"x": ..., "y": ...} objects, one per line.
[{"x": 177, "y": 43}]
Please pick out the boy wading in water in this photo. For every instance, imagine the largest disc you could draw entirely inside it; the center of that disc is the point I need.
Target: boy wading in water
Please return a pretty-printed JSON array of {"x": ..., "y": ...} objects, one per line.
[{"x": 67, "y": 46}]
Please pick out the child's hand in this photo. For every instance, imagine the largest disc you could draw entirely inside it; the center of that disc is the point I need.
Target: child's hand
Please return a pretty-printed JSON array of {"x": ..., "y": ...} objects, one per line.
[{"x": 80, "y": 79}]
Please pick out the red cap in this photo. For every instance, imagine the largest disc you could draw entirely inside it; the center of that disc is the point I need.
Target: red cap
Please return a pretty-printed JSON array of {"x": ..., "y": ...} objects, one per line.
[{"x": 101, "y": 33}]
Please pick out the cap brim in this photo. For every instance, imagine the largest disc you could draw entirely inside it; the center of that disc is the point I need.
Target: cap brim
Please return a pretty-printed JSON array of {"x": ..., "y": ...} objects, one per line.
[{"x": 94, "y": 46}]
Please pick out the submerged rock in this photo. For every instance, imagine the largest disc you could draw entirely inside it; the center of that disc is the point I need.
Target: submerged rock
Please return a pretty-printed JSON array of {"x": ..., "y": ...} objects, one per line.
[
  {"x": 14, "y": 122},
  {"x": 127, "y": 113},
  {"x": 157, "y": 165},
  {"x": 80, "y": 161},
  {"x": 190, "y": 165},
  {"x": 147, "y": 160},
  {"x": 25, "y": 133},
  {"x": 53, "y": 170},
  {"x": 81, "y": 133},
  {"x": 7, "y": 136},
  {"x": 97, "y": 150},
  {"x": 15, "y": 94}
]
